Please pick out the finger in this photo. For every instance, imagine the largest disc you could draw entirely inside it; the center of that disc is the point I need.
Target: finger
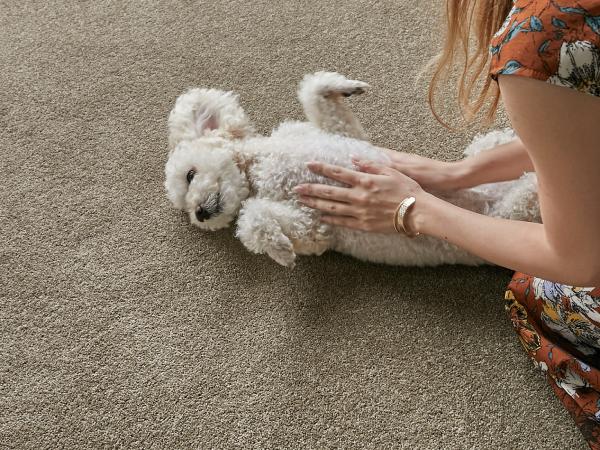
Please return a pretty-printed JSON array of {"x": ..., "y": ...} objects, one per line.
[
  {"x": 334, "y": 172},
  {"x": 329, "y": 207},
  {"x": 344, "y": 221},
  {"x": 371, "y": 167},
  {"x": 325, "y": 191}
]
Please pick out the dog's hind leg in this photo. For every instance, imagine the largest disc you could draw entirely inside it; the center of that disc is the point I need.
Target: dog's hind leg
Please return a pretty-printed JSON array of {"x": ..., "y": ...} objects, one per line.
[{"x": 322, "y": 96}]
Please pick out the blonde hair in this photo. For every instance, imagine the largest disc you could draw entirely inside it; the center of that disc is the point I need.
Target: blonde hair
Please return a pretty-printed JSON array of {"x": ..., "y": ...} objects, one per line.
[{"x": 468, "y": 21}]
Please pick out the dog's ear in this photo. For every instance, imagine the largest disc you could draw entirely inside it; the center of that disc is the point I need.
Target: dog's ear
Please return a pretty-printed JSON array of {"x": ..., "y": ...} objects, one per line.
[
  {"x": 206, "y": 112},
  {"x": 205, "y": 121}
]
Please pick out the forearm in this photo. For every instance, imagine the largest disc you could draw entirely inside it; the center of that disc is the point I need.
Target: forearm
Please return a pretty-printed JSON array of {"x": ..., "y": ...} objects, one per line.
[
  {"x": 502, "y": 163},
  {"x": 520, "y": 246}
]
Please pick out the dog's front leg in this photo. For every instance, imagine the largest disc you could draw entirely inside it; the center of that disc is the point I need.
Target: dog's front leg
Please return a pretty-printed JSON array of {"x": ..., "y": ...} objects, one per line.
[
  {"x": 281, "y": 230},
  {"x": 322, "y": 96}
]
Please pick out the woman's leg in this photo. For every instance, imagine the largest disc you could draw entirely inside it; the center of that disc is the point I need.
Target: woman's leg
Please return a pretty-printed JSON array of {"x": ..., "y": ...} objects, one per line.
[{"x": 557, "y": 327}]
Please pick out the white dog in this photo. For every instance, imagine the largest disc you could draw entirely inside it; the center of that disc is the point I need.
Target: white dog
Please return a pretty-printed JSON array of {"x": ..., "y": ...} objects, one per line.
[{"x": 219, "y": 168}]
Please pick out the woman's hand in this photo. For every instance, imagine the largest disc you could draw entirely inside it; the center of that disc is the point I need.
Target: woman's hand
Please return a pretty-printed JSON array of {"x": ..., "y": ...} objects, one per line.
[
  {"x": 370, "y": 201},
  {"x": 431, "y": 174}
]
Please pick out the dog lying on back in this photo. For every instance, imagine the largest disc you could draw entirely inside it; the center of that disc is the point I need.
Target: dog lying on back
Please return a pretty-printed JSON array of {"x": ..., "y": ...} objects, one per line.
[{"x": 219, "y": 168}]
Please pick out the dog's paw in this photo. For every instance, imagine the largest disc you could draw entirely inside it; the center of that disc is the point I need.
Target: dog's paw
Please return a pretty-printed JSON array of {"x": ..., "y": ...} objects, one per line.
[
  {"x": 354, "y": 91},
  {"x": 282, "y": 251},
  {"x": 328, "y": 84}
]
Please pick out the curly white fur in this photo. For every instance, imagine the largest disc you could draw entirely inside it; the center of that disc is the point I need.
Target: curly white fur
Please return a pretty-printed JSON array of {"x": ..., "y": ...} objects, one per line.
[{"x": 234, "y": 172}]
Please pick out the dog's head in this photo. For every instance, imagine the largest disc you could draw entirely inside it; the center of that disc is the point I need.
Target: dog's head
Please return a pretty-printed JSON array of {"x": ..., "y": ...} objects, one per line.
[{"x": 204, "y": 176}]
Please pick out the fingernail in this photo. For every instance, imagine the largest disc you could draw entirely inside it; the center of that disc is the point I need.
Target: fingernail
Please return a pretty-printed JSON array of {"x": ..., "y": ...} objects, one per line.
[
  {"x": 310, "y": 164},
  {"x": 298, "y": 188}
]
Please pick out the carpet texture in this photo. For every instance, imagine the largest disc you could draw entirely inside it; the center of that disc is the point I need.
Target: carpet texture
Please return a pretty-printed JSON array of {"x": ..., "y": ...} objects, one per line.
[{"x": 122, "y": 326}]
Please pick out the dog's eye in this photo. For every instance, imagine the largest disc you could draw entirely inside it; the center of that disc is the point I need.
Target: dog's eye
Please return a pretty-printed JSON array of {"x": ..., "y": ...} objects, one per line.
[{"x": 190, "y": 176}]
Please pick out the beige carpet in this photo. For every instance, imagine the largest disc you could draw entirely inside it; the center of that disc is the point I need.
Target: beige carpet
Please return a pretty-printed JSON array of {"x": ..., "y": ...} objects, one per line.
[{"x": 121, "y": 326}]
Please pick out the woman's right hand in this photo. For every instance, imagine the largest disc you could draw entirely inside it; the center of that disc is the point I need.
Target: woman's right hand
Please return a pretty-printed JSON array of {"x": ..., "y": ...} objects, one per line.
[{"x": 431, "y": 174}]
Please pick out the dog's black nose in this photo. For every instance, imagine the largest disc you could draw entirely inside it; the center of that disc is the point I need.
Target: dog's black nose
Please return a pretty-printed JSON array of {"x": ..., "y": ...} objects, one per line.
[{"x": 202, "y": 214}]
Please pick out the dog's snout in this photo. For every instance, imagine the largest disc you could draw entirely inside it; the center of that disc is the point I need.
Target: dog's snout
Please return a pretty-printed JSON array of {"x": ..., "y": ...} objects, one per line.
[{"x": 202, "y": 214}]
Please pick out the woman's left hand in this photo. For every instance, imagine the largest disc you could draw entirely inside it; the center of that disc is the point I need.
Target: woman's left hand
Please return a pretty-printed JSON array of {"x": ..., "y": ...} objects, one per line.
[{"x": 370, "y": 201}]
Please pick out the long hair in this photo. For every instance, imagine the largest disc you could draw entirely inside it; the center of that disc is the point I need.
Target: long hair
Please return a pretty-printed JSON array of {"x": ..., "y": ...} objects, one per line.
[{"x": 470, "y": 23}]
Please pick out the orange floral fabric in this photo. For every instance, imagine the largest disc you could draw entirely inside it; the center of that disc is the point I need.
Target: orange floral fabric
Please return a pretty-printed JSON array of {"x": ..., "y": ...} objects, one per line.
[
  {"x": 559, "y": 328},
  {"x": 551, "y": 40}
]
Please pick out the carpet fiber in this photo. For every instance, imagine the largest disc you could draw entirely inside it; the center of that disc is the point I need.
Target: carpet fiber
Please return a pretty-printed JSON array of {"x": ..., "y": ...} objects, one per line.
[{"x": 122, "y": 326}]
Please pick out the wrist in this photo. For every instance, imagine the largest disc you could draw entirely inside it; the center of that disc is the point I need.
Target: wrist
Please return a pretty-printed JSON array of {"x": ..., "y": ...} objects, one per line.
[
  {"x": 421, "y": 212},
  {"x": 461, "y": 173}
]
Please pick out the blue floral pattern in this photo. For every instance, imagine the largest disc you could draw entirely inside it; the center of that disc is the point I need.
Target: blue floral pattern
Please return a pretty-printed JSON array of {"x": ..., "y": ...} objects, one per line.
[{"x": 551, "y": 40}]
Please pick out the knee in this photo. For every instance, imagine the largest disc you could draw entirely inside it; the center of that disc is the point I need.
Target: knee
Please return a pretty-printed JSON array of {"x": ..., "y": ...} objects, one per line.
[{"x": 518, "y": 287}]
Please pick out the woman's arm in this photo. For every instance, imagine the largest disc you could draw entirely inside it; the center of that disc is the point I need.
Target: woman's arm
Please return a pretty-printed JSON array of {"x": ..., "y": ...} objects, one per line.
[
  {"x": 504, "y": 162},
  {"x": 521, "y": 246},
  {"x": 559, "y": 129}
]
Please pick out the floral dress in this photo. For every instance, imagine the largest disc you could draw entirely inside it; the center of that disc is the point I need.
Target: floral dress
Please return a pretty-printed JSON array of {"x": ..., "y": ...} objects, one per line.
[
  {"x": 559, "y": 325},
  {"x": 556, "y": 41}
]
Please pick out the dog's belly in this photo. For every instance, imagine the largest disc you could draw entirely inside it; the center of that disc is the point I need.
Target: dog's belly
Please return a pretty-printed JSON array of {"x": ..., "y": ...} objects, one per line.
[
  {"x": 280, "y": 161},
  {"x": 397, "y": 249},
  {"x": 279, "y": 165}
]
